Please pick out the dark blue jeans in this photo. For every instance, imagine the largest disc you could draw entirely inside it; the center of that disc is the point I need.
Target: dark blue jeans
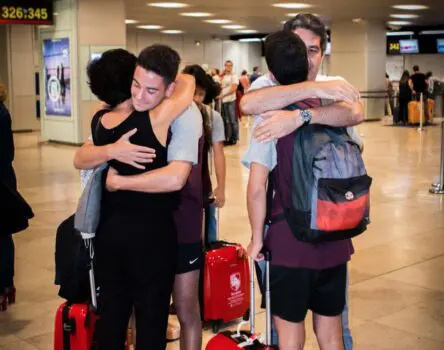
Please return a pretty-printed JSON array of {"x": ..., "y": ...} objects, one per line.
[
  {"x": 7, "y": 250},
  {"x": 230, "y": 121}
]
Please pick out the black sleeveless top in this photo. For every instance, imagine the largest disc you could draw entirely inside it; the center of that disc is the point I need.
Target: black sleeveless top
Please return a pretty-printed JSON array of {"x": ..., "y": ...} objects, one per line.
[{"x": 151, "y": 204}]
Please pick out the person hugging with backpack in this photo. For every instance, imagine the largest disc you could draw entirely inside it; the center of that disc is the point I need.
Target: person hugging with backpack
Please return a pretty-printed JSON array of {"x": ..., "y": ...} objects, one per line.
[{"x": 318, "y": 198}]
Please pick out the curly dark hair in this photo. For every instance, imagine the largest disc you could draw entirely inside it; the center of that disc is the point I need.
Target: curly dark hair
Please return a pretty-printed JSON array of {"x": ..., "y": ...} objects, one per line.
[
  {"x": 286, "y": 57},
  {"x": 162, "y": 60},
  {"x": 110, "y": 76}
]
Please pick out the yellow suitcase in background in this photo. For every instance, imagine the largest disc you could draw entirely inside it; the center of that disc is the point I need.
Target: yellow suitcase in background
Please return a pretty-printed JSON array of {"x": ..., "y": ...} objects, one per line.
[
  {"x": 414, "y": 108},
  {"x": 430, "y": 109}
]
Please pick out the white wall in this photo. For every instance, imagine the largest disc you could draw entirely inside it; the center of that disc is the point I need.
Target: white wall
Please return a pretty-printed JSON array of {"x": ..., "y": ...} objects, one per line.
[
  {"x": 210, "y": 52},
  {"x": 22, "y": 98},
  {"x": 434, "y": 63}
]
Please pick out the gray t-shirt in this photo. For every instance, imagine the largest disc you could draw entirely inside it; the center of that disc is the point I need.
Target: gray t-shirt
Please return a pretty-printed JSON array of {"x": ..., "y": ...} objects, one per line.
[
  {"x": 217, "y": 127},
  {"x": 186, "y": 131}
]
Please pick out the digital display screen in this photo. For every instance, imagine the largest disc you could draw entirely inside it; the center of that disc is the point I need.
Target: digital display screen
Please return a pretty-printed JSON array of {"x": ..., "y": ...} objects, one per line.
[
  {"x": 26, "y": 12},
  {"x": 408, "y": 46},
  {"x": 440, "y": 45}
]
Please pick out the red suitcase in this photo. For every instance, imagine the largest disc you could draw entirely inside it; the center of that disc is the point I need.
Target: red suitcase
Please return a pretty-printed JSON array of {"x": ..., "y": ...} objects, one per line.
[
  {"x": 75, "y": 323},
  {"x": 242, "y": 339},
  {"x": 74, "y": 327},
  {"x": 226, "y": 277}
]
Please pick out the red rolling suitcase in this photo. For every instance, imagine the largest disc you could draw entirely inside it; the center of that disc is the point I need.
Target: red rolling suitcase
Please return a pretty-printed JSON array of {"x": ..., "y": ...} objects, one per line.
[
  {"x": 226, "y": 277},
  {"x": 75, "y": 323},
  {"x": 247, "y": 339}
]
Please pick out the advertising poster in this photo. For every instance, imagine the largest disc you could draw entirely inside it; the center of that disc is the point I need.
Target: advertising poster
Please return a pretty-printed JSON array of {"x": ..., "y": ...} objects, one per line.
[{"x": 57, "y": 77}]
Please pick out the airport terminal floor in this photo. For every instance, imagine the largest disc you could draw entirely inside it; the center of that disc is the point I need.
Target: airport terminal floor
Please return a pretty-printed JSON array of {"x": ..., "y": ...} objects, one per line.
[{"x": 397, "y": 284}]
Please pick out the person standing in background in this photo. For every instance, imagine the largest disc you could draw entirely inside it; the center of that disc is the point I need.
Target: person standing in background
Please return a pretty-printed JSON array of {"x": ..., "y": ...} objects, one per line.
[
  {"x": 390, "y": 94},
  {"x": 244, "y": 80},
  {"x": 419, "y": 81},
  {"x": 255, "y": 74},
  {"x": 244, "y": 85},
  {"x": 8, "y": 179},
  {"x": 230, "y": 82},
  {"x": 215, "y": 74},
  {"x": 405, "y": 96}
]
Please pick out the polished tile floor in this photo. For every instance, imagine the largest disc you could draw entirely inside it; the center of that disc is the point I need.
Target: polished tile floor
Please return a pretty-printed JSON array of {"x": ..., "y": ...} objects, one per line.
[{"x": 397, "y": 280}]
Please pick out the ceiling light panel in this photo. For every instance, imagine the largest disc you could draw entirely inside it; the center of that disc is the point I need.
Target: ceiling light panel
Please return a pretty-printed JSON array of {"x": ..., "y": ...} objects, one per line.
[
  {"x": 404, "y": 15},
  {"x": 233, "y": 26},
  {"x": 150, "y": 27},
  {"x": 196, "y": 14},
  {"x": 172, "y": 31},
  {"x": 168, "y": 5},
  {"x": 408, "y": 33},
  {"x": 250, "y": 40},
  {"x": 293, "y": 5},
  {"x": 399, "y": 23},
  {"x": 411, "y": 7},
  {"x": 247, "y": 31},
  {"x": 130, "y": 21},
  {"x": 218, "y": 21}
]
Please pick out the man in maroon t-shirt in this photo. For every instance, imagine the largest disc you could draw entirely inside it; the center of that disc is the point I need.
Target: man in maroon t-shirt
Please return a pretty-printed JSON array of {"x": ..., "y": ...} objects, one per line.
[{"x": 303, "y": 276}]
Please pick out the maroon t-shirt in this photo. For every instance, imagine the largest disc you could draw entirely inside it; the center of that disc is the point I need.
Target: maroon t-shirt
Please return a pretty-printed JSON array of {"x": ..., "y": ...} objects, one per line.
[
  {"x": 285, "y": 249},
  {"x": 188, "y": 217}
]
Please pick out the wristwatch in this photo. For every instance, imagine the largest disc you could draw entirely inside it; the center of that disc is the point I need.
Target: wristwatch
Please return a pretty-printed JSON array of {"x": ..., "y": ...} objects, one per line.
[{"x": 306, "y": 116}]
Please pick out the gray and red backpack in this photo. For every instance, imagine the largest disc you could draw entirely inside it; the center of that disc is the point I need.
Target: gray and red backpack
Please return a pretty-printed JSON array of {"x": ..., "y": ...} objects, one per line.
[{"x": 330, "y": 194}]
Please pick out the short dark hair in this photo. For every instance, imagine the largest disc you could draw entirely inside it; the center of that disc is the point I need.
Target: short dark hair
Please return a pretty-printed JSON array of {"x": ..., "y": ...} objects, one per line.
[
  {"x": 255, "y": 69},
  {"x": 228, "y": 61},
  {"x": 162, "y": 60},
  {"x": 204, "y": 81},
  {"x": 244, "y": 72},
  {"x": 416, "y": 68},
  {"x": 110, "y": 76},
  {"x": 429, "y": 74},
  {"x": 286, "y": 57},
  {"x": 310, "y": 22}
]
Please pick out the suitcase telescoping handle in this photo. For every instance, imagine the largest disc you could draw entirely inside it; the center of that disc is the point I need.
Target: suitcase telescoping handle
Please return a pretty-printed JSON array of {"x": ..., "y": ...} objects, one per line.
[
  {"x": 217, "y": 235},
  {"x": 92, "y": 281},
  {"x": 267, "y": 297}
]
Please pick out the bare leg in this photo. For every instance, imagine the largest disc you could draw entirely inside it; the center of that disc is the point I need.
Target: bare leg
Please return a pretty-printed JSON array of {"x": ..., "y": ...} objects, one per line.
[
  {"x": 186, "y": 301},
  {"x": 328, "y": 331},
  {"x": 291, "y": 335}
]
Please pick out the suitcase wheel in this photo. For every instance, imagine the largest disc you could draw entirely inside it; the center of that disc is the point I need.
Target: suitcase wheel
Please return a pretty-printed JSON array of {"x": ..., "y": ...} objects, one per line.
[{"x": 216, "y": 325}]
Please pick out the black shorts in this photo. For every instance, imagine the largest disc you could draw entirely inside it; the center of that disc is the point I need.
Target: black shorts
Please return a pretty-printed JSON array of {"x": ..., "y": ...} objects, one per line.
[
  {"x": 189, "y": 257},
  {"x": 294, "y": 291}
]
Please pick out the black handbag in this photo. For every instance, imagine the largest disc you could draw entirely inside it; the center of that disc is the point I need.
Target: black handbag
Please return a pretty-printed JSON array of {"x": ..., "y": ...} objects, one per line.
[
  {"x": 15, "y": 212},
  {"x": 72, "y": 263}
]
